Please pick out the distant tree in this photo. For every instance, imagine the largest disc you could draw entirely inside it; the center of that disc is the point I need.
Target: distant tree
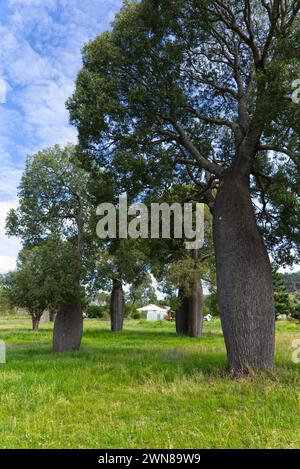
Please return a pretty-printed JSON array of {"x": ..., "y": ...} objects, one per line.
[
  {"x": 292, "y": 281},
  {"x": 281, "y": 296},
  {"x": 96, "y": 311},
  {"x": 211, "y": 303},
  {"x": 181, "y": 270},
  {"x": 143, "y": 292},
  {"x": 5, "y": 304},
  {"x": 296, "y": 311},
  {"x": 121, "y": 262},
  {"x": 131, "y": 311}
]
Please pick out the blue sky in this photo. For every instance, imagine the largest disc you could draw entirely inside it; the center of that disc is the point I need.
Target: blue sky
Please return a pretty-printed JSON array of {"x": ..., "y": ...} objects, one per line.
[{"x": 40, "y": 56}]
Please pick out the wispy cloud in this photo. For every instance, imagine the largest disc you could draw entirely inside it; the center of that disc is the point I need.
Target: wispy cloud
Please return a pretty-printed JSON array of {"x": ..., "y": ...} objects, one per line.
[
  {"x": 9, "y": 247},
  {"x": 39, "y": 59}
]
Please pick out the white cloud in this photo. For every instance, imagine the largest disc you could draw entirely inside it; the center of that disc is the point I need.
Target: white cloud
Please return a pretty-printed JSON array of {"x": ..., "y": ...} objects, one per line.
[
  {"x": 7, "y": 264},
  {"x": 9, "y": 247},
  {"x": 41, "y": 54}
]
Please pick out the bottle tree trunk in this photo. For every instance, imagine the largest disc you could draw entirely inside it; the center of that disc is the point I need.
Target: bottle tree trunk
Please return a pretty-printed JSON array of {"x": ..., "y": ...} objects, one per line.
[
  {"x": 117, "y": 306},
  {"x": 244, "y": 278},
  {"x": 68, "y": 323},
  {"x": 189, "y": 316},
  {"x": 68, "y": 327}
]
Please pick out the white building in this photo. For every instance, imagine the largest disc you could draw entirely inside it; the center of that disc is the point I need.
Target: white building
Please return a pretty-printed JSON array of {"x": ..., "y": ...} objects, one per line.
[{"x": 153, "y": 312}]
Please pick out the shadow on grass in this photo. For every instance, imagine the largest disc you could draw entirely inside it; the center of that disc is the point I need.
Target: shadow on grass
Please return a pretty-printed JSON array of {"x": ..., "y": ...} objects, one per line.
[{"x": 138, "y": 355}]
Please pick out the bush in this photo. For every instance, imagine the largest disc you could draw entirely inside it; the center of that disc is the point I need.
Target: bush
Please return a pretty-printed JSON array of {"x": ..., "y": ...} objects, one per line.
[
  {"x": 296, "y": 312},
  {"x": 95, "y": 311},
  {"x": 211, "y": 304},
  {"x": 131, "y": 311},
  {"x": 136, "y": 315}
]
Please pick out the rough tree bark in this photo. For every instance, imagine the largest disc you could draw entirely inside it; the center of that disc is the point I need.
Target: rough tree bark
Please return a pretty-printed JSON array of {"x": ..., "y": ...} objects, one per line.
[
  {"x": 117, "y": 306},
  {"x": 68, "y": 327},
  {"x": 244, "y": 276},
  {"x": 189, "y": 316}
]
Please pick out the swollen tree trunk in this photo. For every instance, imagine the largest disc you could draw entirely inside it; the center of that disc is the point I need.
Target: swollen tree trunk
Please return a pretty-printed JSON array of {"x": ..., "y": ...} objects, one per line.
[
  {"x": 68, "y": 327},
  {"x": 117, "y": 306},
  {"x": 189, "y": 316},
  {"x": 68, "y": 323},
  {"x": 244, "y": 278}
]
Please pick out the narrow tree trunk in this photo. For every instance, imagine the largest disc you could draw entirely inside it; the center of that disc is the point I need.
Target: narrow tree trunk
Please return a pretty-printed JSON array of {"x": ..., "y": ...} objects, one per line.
[
  {"x": 35, "y": 323},
  {"x": 117, "y": 306},
  {"x": 189, "y": 316},
  {"x": 52, "y": 316},
  {"x": 68, "y": 327},
  {"x": 244, "y": 278}
]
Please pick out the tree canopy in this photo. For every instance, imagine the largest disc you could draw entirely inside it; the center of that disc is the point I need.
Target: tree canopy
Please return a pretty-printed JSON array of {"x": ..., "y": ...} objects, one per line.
[{"x": 175, "y": 88}]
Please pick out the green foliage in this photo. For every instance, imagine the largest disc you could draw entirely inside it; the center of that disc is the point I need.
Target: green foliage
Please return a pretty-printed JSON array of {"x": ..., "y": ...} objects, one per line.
[
  {"x": 281, "y": 296},
  {"x": 296, "y": 311},
  {"x": 160, "y": 85},
  {"x": 131, "y": 311},
  {"x": 142, "y": 292},
  {"x": 49, "y": 194},
  {"x": 136, "y": 315},
  {"x": 211, "y": 304},
  {"x": 5, "y": 306},
  {"x": 292, "y": 281},
  {"x": 46, "y": 276},
  {"x": 96, "y": 311},
  {"x": 54, "y": 206}
]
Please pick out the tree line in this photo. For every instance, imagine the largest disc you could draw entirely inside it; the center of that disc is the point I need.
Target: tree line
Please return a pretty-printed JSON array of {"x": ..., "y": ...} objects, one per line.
[{"x": 181, "y": 100}]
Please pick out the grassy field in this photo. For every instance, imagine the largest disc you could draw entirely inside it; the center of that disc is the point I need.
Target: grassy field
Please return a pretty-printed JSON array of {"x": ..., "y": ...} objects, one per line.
[{"x": 143, "y": 388}]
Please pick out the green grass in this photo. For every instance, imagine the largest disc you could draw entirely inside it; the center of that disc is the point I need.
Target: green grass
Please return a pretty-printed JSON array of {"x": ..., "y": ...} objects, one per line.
[{"x": 143, "y": 388}]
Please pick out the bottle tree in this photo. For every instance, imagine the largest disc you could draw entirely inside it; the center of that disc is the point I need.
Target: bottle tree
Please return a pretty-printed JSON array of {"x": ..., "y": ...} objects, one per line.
[
  {"x": 53, "y": 201},
  {"x": 180, "y": 269},
  {"x": 119, "y": 263},
  {"x": 197, "y": 83}
]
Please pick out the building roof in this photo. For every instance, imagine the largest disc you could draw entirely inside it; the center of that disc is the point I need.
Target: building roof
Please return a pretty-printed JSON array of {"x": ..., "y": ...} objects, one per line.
[{"x": 152, "y": 307}]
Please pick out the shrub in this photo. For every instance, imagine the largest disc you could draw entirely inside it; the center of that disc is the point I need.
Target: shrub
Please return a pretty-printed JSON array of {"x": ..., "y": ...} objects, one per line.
[
  {"x": 131, "y": 311},
  {"x": 296, "y": 312},
  {"x": 95, "y": 311},
  {"x": 136, "y": 315},
  {"x": 211, "y": 304}
]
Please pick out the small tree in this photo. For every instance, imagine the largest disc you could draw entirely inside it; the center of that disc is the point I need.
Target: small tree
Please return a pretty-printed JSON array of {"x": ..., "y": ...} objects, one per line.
[
  {"x": 43, "y": 278},
  {"x": 281, "y": 296},
  {"x": 22, "y": 291},
  {"x": 143, "y": 292},
  {"x": 296, "y": 311}
]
